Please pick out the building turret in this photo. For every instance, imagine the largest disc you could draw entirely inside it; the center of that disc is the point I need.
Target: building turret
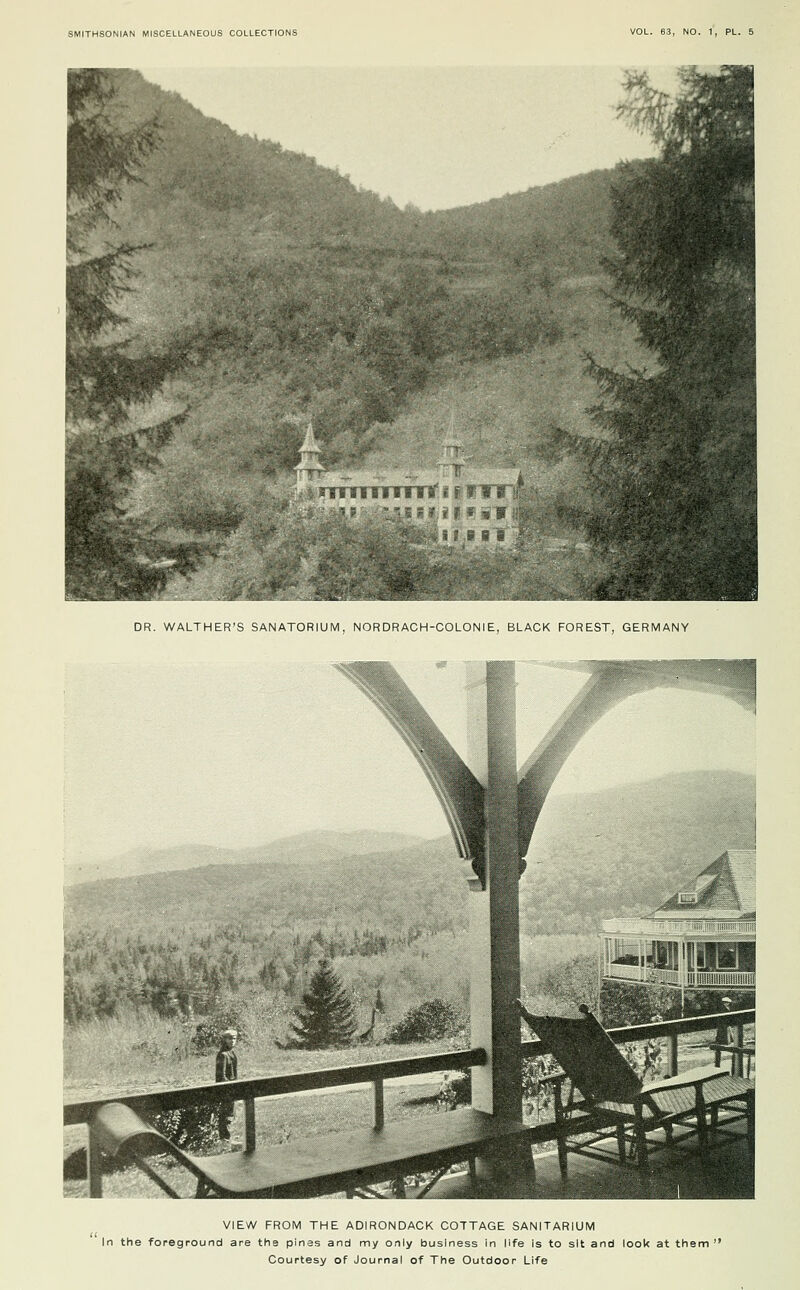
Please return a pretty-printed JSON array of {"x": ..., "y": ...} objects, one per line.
[
  {"x": 450, "y": 518},
  {"x": 309, "y": 470}
]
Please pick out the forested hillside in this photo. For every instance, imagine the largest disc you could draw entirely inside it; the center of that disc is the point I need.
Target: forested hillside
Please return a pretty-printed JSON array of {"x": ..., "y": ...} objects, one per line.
[
  {"x": 280, "y": 291},
  {"x": 597, "y": 333},
  {"x": 394, "y": 920}
]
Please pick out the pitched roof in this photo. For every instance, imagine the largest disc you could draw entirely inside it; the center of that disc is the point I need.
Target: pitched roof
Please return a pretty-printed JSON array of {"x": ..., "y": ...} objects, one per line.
[
  {"x": 743, "y": 871},
  {"x": 387, "y": 476},
  {"x": 492, "y": 475},
  {"x": 405, "y": 475},
  {"x": 451, "y": 439},
  {"x": 727, "y": 885},
  {"x": 309, "y": 443}
]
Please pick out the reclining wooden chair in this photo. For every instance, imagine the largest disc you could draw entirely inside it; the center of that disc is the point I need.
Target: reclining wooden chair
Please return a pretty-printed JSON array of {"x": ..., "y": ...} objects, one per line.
[
  {"x": 116, "y": 1131},
  {"x": 614, "y": 1102},
  {"x": 352, "y": 1161}
]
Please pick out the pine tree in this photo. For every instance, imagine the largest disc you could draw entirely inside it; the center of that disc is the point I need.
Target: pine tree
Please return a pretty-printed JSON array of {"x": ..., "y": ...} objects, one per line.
[
  {"x": 326, "y": 1018},
  {"x": 673, "y": 469},
  {"x": 109, "y": 387}
]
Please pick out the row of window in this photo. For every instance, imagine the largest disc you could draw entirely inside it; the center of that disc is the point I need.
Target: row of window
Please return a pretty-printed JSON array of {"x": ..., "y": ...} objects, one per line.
[
  {"x": 500, "y": 535},
  {"x": 418, "y": 490},
  {"x": 705, "y": 956},
  {"x": 385, "y": 491},
  {"x": 472, "y": 490},
  {"x": 486, "y": 512},
  {"x": 410, "y": 512},
  {"x": 407, "y": 513},
  {"x": 700, "y": 955}
]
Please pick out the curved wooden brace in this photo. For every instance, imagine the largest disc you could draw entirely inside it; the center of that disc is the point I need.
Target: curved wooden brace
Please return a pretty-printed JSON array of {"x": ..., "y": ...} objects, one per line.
[
  {"x": 601, "y": 692},
  {"x": 460, "y": 794}
]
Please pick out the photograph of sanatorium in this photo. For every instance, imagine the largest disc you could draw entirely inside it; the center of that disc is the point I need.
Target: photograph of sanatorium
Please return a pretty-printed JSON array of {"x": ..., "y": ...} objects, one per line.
[
  {"x": 410, "y": 334},
  {"x": 441, "y": 930}
]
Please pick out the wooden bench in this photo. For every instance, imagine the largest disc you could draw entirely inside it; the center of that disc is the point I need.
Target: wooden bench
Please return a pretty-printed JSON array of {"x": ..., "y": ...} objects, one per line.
[{"x": 353, "y": 1161}]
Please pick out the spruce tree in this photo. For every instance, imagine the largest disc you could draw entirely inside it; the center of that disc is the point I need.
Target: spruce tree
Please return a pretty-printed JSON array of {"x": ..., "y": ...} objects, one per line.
[
  {"x": 326, "y": 1018},
  {"x": 673, "y": 467},
  {"x": 110, "y": 382}
]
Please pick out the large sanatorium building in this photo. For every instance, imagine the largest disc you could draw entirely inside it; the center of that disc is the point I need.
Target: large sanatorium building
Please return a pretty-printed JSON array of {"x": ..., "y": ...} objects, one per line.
[{"x": 471, "y": 506}]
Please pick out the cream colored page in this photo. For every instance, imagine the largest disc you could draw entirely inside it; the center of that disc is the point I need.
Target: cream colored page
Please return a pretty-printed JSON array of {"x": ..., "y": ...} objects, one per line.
[{"x": 53, "y": 1242}]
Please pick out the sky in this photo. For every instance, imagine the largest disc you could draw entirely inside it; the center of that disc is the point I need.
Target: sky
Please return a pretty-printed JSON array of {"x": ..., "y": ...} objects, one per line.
[
  {"x": 433, "y": 136},
  {"x": 233, "y": 755}
]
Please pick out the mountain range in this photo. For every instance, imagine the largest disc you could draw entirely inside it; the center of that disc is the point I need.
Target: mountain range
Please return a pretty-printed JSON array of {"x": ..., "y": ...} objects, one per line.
[
  {"x": 617, "y": 851},
  {"x": 315, "y": 846}
]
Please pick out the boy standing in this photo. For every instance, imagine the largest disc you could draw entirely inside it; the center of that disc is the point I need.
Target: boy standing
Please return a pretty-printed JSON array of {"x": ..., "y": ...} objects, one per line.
[{"x": 227, "y": 1068}]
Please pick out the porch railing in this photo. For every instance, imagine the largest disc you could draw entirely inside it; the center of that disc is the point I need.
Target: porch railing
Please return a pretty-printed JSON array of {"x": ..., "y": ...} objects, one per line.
[
  {"x": 653, "y": 927},
  {"x": 670, "y": 976},
  {"x": 723, "y": 977},
  {"x": 248, "y": 1091}
]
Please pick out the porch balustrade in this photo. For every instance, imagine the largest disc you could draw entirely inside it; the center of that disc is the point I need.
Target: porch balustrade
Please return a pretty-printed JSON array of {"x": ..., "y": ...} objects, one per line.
[
  {"x": 670, "y": 976},
  {"x": 653, "y": 927},
  {"x": 248, "y": 1091},
  {"x": 742, "y": 979}
]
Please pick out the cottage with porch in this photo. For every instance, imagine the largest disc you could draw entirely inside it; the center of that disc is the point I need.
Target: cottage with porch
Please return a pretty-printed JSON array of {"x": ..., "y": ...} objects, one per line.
[{"x": 703, "y": 937}]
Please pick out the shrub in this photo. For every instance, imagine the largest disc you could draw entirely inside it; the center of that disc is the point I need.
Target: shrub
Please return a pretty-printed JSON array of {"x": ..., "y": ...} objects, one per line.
[
  {"x": 434, "y": 1019},
  {"x": 193, "y": 1128},
  {"x": 456, "y": 1089},
  {"x": 227, "y": 1014},
  {"x": 625, "y": 1004}
]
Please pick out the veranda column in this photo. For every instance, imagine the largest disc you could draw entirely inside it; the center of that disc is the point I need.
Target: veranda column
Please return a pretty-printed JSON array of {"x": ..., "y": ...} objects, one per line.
[{"x": 494, "y": 911}]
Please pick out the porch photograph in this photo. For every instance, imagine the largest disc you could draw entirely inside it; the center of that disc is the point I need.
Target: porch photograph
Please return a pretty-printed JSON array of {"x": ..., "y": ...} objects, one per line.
[{"x": 332, "y": 930}]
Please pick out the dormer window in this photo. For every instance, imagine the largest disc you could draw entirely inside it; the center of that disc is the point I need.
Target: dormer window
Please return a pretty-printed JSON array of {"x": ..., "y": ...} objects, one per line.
[{"x": 687, "y": 897}]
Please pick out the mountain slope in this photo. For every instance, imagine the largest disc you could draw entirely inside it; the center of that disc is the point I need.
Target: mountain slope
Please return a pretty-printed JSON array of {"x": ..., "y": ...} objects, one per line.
[
  {"x": 616, "y": 851},
  {"x": 207, "y": 174},
  {"x": 396, "y": 921}
]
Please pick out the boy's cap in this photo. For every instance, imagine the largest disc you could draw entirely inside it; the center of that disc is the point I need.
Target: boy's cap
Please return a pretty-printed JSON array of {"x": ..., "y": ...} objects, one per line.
[{"x": 233, "y": 1033}]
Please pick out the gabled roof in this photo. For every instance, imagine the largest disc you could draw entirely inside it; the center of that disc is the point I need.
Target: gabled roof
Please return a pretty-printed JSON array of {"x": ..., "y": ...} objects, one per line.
[
  {"x": 392, "y": 476},
  {"x": 743, "y": 871},
  {"x": 389, "y": 476},
  {"x": 491, "y": 475},
  {"x": 726, "y": 886}
]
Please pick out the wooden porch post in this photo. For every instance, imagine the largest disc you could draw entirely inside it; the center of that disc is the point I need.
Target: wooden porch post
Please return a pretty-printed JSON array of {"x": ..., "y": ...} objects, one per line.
[
  {"x": 602, "y": 967},
  {"x": 494, "y": 910}
]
